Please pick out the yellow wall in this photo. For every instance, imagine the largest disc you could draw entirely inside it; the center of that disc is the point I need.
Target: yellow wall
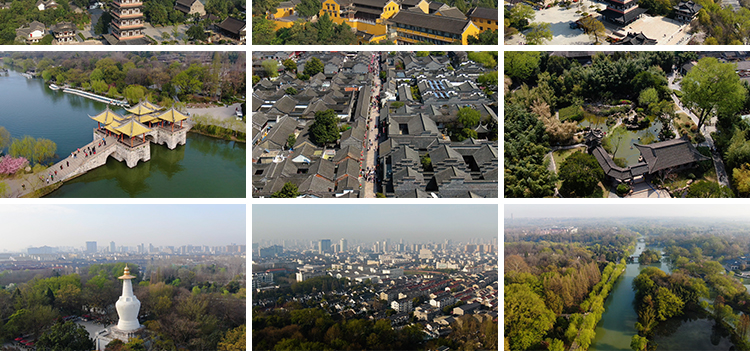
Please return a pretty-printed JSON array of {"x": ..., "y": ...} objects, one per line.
[
  {"x": 283, "y": 12},
  {"x": 471, "y": 30},
  {"x": 389, "y": 10},
  {"x": 282, "y": 24},
  {"x": 332, "y": 8},
  {"x": 485, "y": 24}
]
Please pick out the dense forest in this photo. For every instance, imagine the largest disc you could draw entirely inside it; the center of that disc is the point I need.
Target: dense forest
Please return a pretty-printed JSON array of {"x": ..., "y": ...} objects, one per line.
[
  {"x": 315, "y": 329},
  {"x": 197, "y": 308}
]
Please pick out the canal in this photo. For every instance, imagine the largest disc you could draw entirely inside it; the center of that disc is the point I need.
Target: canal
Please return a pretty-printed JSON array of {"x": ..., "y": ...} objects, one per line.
[
  {"x": 203, "y": 167},
  {"x": 691, "y": 331}
]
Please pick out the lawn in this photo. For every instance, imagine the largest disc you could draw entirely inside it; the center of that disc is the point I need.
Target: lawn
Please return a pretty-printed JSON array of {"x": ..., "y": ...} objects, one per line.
[{"x": 561, "y": 155}]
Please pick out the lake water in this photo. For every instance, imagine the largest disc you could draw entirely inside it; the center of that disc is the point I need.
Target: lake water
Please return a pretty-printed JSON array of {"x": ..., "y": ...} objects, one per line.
[
  {"x": 203, "y": 167},
  {"x": 691, "y": 331}
]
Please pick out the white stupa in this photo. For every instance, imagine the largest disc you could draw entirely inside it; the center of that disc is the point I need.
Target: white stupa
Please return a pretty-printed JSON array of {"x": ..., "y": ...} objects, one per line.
[{"x": 128, "y": 305}]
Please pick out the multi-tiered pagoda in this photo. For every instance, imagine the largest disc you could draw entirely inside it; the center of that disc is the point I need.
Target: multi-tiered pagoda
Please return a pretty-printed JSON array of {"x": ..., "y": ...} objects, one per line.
[
  {"x": 127, "y": 20},
  {"x": 622, "y": 12}
]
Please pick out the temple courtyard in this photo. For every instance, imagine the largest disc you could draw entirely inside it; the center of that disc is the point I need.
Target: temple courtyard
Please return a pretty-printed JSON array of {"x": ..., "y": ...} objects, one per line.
[{"x": 659, "y": 28}]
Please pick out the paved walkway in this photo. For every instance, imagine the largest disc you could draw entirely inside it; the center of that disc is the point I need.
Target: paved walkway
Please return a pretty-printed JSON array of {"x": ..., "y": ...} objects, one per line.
[
  {"x": 370, "y": 187},
  {"x": 706, "y": 130},
  {"x": 59, "y": 171}
]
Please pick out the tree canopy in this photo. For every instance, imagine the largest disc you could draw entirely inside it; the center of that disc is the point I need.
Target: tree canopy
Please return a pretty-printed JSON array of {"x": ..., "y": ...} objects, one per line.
[
  {"x": 711, "y": 88},
  {"x": 66, "y": 336},
  {"x": 581, "y": 175},
  {"x": 325, "y": 129}
]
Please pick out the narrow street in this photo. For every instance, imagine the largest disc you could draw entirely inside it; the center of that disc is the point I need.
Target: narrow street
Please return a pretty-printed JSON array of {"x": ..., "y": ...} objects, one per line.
[
  {"x": 706, "y": 130},
  {"x": 372, "y": 143}
]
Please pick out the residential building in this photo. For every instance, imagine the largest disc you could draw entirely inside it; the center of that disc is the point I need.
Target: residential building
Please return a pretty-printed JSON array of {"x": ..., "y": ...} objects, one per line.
[
  {"x": 64, "y": 32},
  {"x": 33, "y": 33},
  {"x": 402, "y": 305},
  {"x": 190, "y": 7}
]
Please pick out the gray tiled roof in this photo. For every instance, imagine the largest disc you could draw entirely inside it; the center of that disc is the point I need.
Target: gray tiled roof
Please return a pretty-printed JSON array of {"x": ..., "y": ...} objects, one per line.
[{"x": 672, "y": 153}]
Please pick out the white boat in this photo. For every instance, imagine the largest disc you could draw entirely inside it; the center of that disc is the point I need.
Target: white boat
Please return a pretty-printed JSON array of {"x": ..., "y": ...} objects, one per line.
[
  {"x": 54, "y": 87},
  {"x": 27, "y": 75}
]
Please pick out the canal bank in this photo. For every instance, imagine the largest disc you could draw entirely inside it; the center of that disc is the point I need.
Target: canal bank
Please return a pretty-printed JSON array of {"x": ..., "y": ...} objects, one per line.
[
  {"x": 617, "y": 326},
  {"x": 694, "y": 330}
]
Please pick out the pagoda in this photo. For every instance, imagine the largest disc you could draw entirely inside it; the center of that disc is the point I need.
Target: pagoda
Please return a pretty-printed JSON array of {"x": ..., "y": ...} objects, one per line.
[
  {"x": 622, "y": 12},
  {"x": 127, "y": 20}
]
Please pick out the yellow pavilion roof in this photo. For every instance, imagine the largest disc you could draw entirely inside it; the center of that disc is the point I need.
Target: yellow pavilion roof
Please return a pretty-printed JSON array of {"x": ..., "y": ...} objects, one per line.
[
  {"x": 111, "y": 128},
  {"x": 173, "y": 116},
  {"x": 147, "y": 118},
  {"x": 107, "y": 117},
  {"x": 141, "y": 109},
  {"x": 151, "y": 105},
  {"x": 133, "y": 128}
]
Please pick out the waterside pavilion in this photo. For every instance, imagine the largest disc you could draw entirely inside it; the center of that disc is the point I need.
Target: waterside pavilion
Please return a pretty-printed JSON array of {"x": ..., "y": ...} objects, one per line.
[{"x": 145, "y": 123}]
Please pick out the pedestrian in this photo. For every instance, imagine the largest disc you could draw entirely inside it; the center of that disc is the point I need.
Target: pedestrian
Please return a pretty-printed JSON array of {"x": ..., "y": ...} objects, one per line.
[
  {"x": 48, "y": 181},
  {"x": 61, "y": 167},
  {"x": 67, "y": 163},
  {"x": 55, "y": 172},
  {"x": 23, "y": 186}
]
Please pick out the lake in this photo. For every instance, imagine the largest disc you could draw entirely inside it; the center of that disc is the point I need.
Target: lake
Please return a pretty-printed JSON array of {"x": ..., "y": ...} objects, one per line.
[{"x": 203, "y": 167}]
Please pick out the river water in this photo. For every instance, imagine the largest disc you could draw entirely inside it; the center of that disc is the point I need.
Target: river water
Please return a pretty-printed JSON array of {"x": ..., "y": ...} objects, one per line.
[
  {"x": 614, "y": 331},
  {"x": 203, "y": 167}
]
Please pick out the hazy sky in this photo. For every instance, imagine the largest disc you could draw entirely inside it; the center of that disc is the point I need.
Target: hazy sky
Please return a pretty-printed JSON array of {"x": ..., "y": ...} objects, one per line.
[
  {"x": 416, "y": 223},
  {"x": 705, "y": 209},
  {"x": 73, "y": 225}
]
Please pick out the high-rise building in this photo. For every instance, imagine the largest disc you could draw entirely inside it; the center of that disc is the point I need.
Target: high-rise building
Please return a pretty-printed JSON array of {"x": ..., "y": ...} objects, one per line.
[
  {"x": 91, "y": 247},
  {"x": 343, "y": 245},
  {"x": 112, "y": 247},
  {"x": 127, "y": 20},
  {"x": 376, "y": 247},
  {"x": 470, "y": 248},
  {"x": 141, "y": 249},
  {"x": 324, "y": 246},
  {"x": 385, "y": 246}
]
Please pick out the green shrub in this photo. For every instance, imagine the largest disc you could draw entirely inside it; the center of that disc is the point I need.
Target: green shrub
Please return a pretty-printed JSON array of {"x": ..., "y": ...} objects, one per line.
[{"x": 623, "y": 189}]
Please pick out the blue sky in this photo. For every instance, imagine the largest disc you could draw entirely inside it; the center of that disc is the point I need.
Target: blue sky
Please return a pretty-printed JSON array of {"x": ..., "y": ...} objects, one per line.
[{"x": 126, "y": 224}]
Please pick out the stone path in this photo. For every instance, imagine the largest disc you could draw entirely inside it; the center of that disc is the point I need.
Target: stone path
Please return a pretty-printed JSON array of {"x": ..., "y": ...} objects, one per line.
[
  {"x": 370, "y": 188},
  {"x": 29, "y": 183}
]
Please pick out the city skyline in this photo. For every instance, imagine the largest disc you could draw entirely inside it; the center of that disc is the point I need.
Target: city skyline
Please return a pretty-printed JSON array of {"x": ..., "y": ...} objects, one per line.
[
  {"x": 71, "y": 226},
  {"x": 371, "y": 223},
  {"x": 704, "y": 210}
]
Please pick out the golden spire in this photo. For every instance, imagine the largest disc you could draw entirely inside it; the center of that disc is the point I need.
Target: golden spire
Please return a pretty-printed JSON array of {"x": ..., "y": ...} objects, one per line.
[{"x": 126, "y": 275}]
